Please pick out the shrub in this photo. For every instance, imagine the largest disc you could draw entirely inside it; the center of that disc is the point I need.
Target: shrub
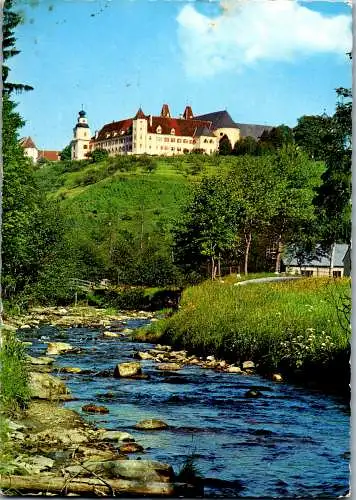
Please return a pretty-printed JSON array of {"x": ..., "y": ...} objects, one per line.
[{"x": 14, "y": 379}]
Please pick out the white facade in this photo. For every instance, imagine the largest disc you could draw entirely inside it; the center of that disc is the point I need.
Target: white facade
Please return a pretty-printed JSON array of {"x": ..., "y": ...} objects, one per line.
[{"x": 81, "y": 139}]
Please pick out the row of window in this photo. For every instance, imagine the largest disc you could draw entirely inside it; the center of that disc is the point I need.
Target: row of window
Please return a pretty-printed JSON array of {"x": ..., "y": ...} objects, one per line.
[{"x": 309, "y": 273}]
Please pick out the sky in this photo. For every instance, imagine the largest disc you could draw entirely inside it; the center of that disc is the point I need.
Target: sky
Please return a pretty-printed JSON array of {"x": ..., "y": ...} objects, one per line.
[{"x": 264, "y": 61}]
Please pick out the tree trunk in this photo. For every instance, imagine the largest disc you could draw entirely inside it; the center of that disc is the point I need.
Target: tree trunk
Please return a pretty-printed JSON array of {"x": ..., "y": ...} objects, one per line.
[
  {"x": 279, "y": 254},
  {"x": 212, "y": 268},
  {"x": 332, "y": 258},
  {"x": 85, "y": 486},
  {"x": 248, "y": 239},
  {"x": 219, "y": 265}
]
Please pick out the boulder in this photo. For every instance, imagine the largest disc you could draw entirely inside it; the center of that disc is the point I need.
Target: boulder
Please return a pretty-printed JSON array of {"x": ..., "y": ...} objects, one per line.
[
  {"x": 70, "y": 369},
  {"x": 233, "y": 369},
  {"x": 163, "y": 347},
  {"x": 168, "y": 366},
  {"x": 131, "y": 448},
  {"x": 144, "y": 355},
  {"x": 277, "y": 377},
  {"x": 66, "y": 437},
  {"x": 42, "y": 360},
  {"x": 44, "y": 386},
  {"x": 95, "y": 409},
  {"x": 210, "y": 358},
  {"x": 151, "y": 424},
  {"x": 253, "y": 394},
  {"x": 110, "y": 334},
  {"x": 140, "y": 470},
  {"x": 116, "y": 436},
  {"x": 248, "y": 365},
  {"x": 55, "y": 348},
  {"x": 130, "y": 369}
]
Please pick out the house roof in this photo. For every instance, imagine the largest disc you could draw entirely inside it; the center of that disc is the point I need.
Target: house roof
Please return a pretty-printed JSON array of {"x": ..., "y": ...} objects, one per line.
[
  {"x": 49, "y": 155},
  {"x": 219, "y": 119},
  {"x": 118, "y": 128},
  {"x": 188, "y": 113},
  {"x": 181, "y": 126},
  {"x": 27, "y": 142},
  {"x": 323, "y": 261},
  {"x": 250, "y": 130},
  {"x": 203, "y": 130},
  {"x": 140, "y": 113}
]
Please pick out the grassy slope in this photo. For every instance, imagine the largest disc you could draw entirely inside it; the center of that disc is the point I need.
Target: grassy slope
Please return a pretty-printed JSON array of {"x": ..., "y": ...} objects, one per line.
[
  {"x": 291, "y": 325},
  {"x": 96, "y": 194}
]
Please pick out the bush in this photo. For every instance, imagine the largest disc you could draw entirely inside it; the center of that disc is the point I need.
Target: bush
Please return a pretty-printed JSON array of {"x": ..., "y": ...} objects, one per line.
[{"x": 14, "y": 378}]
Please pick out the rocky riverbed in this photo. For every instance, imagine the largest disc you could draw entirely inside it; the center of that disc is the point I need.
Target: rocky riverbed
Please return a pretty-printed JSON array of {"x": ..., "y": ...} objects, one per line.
[{"x": 150, "y": 403}]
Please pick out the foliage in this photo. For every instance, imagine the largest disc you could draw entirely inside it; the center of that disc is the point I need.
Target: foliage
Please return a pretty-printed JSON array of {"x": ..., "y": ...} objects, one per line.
[
  {"x": 14, "y": 381},
  {"x": 11, "y": 19},
  {"x": 278, "y": 325},
  {"x": 333, "y": 197},
  {"x": 245, "y": 146},
  {"x": 225, "y": 147},
  {"x": 66, "y": 153},
  {"x": 98, "y": 155},
  {"x": 311, "y": 135}
]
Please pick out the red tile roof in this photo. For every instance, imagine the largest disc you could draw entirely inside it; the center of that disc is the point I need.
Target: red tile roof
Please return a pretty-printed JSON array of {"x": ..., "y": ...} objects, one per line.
[
  {"x": 49, "y": 155},
  {"x": 27, "y": 142},
  {"x": 180, "y": 126},
  {"x": 120, "y": 128}
]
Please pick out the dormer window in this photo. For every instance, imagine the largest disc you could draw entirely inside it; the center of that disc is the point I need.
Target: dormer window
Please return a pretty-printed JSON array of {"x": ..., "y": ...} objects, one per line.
[
  {"x": 159, "y": 129},
  {"x": 173, "y": 132},
  {"x": 107, "y": 135},
  {"x": 122, "y": 132}
]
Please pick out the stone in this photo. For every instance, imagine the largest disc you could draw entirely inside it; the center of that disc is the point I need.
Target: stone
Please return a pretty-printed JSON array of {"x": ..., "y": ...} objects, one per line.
[
  {"x": 66, "y": 437},
  {"x": 44, "y": 386},
  {"x": 248, "y": 365},
  {"x": 130, "y": 369},
  {"x": 277, "y": 377},
  {"x": 163, "y": 347},
  {"x": 210, "y": 358},
  {"x": 55, "y": 348},
  {"x": 25, "y": 327},
  {"x": 144, "y": 355},
  {"x": 140, "y": 470},
  {"x": 131, "y": 448},
  {"x": 70, "y": 369},
  {"x": 95, "y": 409},
  {"x": 253, "y": 394},
  {"x": 233, "y": 369},
  {"x": 115, "y": 436},
  {"x": 168, "y": 366},
  {"x": 42, "y": 360},
  {"x": 110, "y": 334},
  {"x": 151, "y": 424}
]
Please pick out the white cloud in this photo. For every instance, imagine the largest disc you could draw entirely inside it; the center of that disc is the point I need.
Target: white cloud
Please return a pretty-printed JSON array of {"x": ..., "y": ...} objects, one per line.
[{"x": 248, "y": 31}]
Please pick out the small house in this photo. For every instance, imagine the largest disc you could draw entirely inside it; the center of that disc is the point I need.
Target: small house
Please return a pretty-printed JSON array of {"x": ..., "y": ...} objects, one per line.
[{"x": 318, "y": 265}]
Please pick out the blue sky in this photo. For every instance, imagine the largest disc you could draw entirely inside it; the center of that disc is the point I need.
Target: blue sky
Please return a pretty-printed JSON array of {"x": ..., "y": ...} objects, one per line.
[{"x": 265, "y": 62}]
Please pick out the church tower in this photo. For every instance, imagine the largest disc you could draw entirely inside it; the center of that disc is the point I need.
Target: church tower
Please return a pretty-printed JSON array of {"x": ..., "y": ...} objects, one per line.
[{"x": 81, "y": 139}]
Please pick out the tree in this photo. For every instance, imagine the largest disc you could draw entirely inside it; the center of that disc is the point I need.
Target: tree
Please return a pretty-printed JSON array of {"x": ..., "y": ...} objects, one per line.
[
  {"x": 66, "y": 153},
  {"x": 254, "y": 196},
  {"x": 225, "y": 147},
  {"x": 245, "y": 146},
  {"x": 332, "y": 198},
  {"x": 98, "y": 155},
  {"x": 311, "y": 133},
  {"x": 296, "y": 179},
  {"x": 208, "y": 228},
  {"x": 274, "y": 139}
]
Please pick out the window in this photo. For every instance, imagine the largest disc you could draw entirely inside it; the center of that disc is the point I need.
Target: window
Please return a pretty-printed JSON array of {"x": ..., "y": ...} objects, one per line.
[
  {"x": 307, "y": 273},
  {"x": 85, "y": 146},
  {"x": 159, "y": 129},
  {"x": 185, "y": 140},
  {"x": 336, "y": 274},
  {"x": 150, "y": 137},
  {"x": 179, "y": 140},
  {"x": 173, "y": 140},
  {"x": 85, "y": 134},
  {"x": 172, "y": 149},
  {"x": 166, "y": 139},
  {"x": 191, "y": 141},
  {"x": 173, "y": 131}
]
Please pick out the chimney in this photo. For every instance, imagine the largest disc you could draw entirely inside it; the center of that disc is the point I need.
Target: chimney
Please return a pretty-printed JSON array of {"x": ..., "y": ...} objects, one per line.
[
  {"x": 188, "y": 113},
  {"x": 165, "y": 111},
  {"x": 150, "y": 120}
]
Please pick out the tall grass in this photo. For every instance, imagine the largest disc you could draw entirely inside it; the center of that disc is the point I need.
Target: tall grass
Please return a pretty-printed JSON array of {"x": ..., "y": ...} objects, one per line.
[
  {"x": 290, "y": 324},
  {"x": 14, "y": 380}
]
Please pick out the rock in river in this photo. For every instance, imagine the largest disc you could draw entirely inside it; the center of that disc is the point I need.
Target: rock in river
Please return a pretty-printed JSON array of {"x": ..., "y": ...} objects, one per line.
[
  {"x": 116, "y": 436},
  {"x": 44, "y": 386},
  {"x": 140, "y": 470},
  {"x": 131, "y": 448},
  {"x": 95, "y": 409},
  {"x": 168, "y": 366},
  {"x": 248, "y": 365},
  {"x": 131, "y": 369},
  {"x": 59, "y": 347},
  {"x": 151, "y": 424},
  {"x": 253, "y": 394}
]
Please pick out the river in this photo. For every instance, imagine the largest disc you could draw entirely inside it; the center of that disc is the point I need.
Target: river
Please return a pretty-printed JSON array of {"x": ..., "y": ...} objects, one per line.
[{"x": 291, "y": 442}]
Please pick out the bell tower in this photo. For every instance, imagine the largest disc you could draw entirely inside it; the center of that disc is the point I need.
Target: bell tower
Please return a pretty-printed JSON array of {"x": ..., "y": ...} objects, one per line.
[{"x": 81, "y": 137}]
